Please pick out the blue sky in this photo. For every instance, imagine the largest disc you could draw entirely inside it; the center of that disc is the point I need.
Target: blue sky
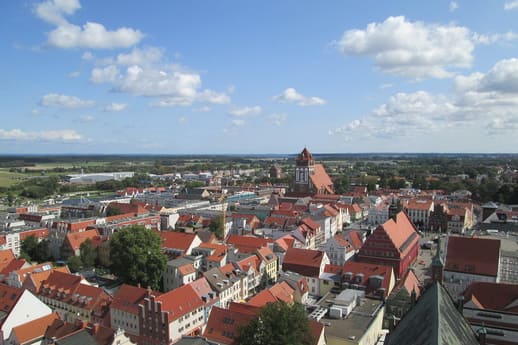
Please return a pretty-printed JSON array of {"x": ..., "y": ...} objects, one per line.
[{"x": 179, "y": 77}]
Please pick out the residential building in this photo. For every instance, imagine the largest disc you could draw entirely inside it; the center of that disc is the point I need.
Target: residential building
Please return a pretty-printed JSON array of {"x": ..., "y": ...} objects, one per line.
[
  {"x": 377, "y": 281},
  {"x": 403, "y": 297},
  {"x": 493, "y": 306},
  {"x": 178, "y": 272},
  {"x": 124, "y": 309},
  {"x": 178, "y": 243},
  {"x": 164, "y": 319},
  {"x": 394, "y": 243},
  {"x": 308, "y": 263},
  {"x": 18, "y": 306},
  {"x": 419, "y": 212},
  {"x": 338, "y": 249},
  {"x": 74, "y": 300},
  {"x": 470, "y": 260},
  {"x": 31, "y": 332}
]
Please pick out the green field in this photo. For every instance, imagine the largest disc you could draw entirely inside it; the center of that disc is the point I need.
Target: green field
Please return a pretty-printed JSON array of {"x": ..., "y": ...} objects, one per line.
[{"x": 8, "y": 178}]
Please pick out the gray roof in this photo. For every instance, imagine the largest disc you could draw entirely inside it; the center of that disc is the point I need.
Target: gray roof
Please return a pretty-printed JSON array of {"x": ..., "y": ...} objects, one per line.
[
  {"x": 82, "y": 337},
  {"x": 434, "y": 320},
  {"x": 192, "y": 341}
]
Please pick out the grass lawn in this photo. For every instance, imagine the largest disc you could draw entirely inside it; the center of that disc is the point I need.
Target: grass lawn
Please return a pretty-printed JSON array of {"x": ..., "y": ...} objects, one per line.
[{"x": 8, "y": 178}]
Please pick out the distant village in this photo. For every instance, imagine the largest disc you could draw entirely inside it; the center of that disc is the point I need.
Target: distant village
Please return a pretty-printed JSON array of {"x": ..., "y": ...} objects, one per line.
[{"x": 371, "y": 267}]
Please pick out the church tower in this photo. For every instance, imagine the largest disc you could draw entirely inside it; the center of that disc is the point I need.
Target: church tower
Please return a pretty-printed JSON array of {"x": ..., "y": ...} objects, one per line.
[{"x": 305, "y": 166}]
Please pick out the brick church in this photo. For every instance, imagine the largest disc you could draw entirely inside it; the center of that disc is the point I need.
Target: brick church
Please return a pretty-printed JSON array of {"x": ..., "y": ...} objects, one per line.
[{"x": 310, "y": 178}]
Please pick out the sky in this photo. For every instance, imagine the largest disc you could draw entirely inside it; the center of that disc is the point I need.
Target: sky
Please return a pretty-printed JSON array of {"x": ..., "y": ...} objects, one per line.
[{"x": 258, "y": 77}]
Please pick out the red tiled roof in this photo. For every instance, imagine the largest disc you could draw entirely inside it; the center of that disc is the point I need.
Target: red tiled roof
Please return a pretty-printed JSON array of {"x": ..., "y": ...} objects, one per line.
[
  {"x": 363, "y": 271},
  {"x": 177, "y": 240},
  {"x": 303, "y": 261},
  {"x": 186, "y": 269},
  {"x": 410, "y": 283},
  {"x": 31, "y": 331},
  {"x": 401, "y": 233},
  {"x": 8, "y": 298},
  {"x": 321, "y": 179},
  {"x": 272, "y": 220},
  {"x": 423, "y": 205},
  {"x": 6, "y": 256},
  {"x": 201, "y": 287},
  {"x": 22, "y": 272},
  {"x": 179, "y": 302},
  {"x": 262, "y": 298},
  {"x": 128, "y": 298},
  {"x": 77, "y": 238},
  {"x": 310, "y": 223},
  {"x": 356, "y": 240},
  {"x": 494, "y": 296},
  {"x": 473, "y": 255},
  {"x": 33, "y": 281},
  {"x": 223, "y": 324},
  {"x": 247, "y": 243},
  {"x": 38, "y": 233}
]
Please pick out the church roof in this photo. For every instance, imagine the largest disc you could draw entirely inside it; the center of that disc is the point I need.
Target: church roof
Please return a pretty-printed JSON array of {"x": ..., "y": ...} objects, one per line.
[
  {"x": 434, "y": 320},
  {"x": 305, "y": 155},
  {"x": 321, "y": 179}
]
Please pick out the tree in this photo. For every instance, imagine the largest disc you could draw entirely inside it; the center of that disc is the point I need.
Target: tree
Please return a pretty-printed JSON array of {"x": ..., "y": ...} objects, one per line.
[
  {"x": 217, "y": 227},
  {"x": 87, "y": 253},
  {"x": 42, "y": 251},
  {"x": 113, "y": 211},
  {"x": 28, "y": 247},
  {"x": 277, "y": 324},
  {"x": 137, "y": 257},
  {"x": 74, "y": 264}
]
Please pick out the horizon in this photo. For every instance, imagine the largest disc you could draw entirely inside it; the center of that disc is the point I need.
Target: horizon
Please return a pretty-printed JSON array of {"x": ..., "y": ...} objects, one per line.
[{"x": 203, "y": 77}]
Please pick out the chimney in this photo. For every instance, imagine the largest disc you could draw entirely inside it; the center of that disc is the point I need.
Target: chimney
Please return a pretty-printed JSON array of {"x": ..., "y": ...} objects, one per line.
[
  {"x": 460, "y": 304},
  {"x": 413, "y": 297},
  {"x": 481, "y": 333}
]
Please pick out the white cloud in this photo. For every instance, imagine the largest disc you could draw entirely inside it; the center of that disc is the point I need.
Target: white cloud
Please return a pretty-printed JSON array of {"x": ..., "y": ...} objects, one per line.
[
  {"x": 204, "y": 109},
  {"x": 411, "y": 49},
  {"x": 511, "y": 5},
  {"x": 35, "y": 112},
  {"x": 87, "y": 56},
  {"x": 115, "y": 107},
  {"x": 277, "y": 119},
  {"x": 90, "y": 35},
  {"x": 87, "y": 118},
  {"x": 244, "y": 111},
  {"x": 66, "y": 135},
  {"x": 144, "y": 73},
  {"x": 453, "y": 6},
  {"x": 53, "y": 11},
  {"x": 480, "y": 102},
  {"x": 182, "y": 120},
  {"x": 290, "y": 95},
  {"x": 54, "y": 100},
  {"x": 74, "y": 74},
  {"x": 238, "y": 122}
]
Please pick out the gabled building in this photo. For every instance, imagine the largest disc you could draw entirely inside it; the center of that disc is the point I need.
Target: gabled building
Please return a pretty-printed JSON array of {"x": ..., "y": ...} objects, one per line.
[
  {"x": 74, "y": 300},
  {"x": 338, "y": 249},
  {"x": 124, "y": 309},
  {"x": 377, "y": 281},
  {"x": 164, "y": 319},
  {"x": 495, "y": 307},
  {"x": 178, "y": 243},
  {"x": 394, "y": 243},
  {"x": 419, "y": 212},
  {"x": 470, "y": 260},
  {"x": 18, "y": 307},
  {"x": 31, "y": 332},
  {"x": 308, "y": 263},
  {"x": 223, "y": 325},
  {"x": 71, "y": 245},
  {"x": 403, "y": 297},
  {"x": 178, "y": 272}
]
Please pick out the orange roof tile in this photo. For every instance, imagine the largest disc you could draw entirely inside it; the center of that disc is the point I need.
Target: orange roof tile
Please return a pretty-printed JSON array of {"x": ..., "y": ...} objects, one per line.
[
  {"x": 179, "y": 302},
  {"x": 177, "y": 240},
  {"x": 303, "y": 261},
  {"x": 128, "y": 298},
  {"x": 6, "y": 256},
  {"x": 321, "y": 179},
  {"x": 473, "y": 255},
  {"x": 410, "y": 283},
  {"x": 77, "y": 238},
  {"x": 494, "y": 296},
  {"x": 33, "y": 330},
  {"x": 223, "y": 324}
]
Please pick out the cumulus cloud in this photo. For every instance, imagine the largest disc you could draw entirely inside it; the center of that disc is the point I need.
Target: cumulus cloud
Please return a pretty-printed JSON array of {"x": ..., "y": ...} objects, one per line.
[
  {"x": 277, "y": 119},
  {"x": 290, "y": 95},
  {"x": 411, "y": 49},
  {"x": 238, "y": 122},
  {"x": 244, "y": 111},
  {"x": 511, "y": 5},
  {"x": 204, "y": 109},
  {"x": 487, "y": 101},
  {"x": 453, "y": 6},
  {"x": 143, "y": 72},
  {"x": 115, "y": 107},
  {"x": 54, "y": 100},
  {"x": 65, "y": 135},
  {"x": 86, "y": 119},
  {"x": 90, "y": 35}
]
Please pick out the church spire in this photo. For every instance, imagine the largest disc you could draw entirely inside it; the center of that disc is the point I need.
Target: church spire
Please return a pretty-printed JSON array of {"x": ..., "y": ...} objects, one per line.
[{"x": 438, "y": 263}]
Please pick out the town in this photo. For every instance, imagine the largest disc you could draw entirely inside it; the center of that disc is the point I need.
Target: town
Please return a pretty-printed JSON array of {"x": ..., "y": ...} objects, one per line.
[{"x": 319, "y": 251}]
